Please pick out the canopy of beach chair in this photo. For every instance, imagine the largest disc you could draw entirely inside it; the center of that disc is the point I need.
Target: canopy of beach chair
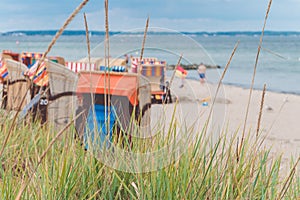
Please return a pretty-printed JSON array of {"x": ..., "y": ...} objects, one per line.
[
  {"x": 17, "y": 85},
  {"x": 62, "y": 105},
  {"x": 103, "y": 62}
]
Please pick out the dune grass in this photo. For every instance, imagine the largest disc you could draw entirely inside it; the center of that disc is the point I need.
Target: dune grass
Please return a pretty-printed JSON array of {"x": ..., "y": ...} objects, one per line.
[{"x": 204, "y": 171}]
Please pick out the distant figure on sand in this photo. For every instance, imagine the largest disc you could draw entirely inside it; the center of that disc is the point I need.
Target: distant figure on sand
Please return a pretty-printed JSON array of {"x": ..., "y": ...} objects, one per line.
[
  {"x": 126, "y": 59},
  {"x": 167, "y": 90},
  {"x": 201, "y": 71}
]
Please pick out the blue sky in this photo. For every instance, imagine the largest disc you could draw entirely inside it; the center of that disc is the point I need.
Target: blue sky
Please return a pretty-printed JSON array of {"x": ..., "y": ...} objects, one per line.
[{"x": 125, "y": 15}]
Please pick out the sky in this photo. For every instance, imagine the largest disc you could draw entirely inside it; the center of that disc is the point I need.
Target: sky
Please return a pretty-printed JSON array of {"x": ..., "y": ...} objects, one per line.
[{"x": 127, "y": 15}]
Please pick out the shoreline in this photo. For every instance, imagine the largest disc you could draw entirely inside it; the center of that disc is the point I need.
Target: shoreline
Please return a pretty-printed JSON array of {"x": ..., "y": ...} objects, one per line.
[
  {"x": 259, "y": 89},
  {"x": 213, "y": 76},
  {"x": 244, "y": 86}
]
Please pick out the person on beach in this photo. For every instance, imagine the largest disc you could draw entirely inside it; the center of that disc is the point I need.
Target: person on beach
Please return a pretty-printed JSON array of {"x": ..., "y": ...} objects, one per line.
[
  {"x": 201, "y": 71},
  {"x": 167, "y": 90},
  {"x": 126, "y": 59}
]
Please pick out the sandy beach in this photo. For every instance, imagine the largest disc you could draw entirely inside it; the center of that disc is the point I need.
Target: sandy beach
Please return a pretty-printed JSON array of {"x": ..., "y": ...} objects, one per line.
[{"x": 279, "y": 121}]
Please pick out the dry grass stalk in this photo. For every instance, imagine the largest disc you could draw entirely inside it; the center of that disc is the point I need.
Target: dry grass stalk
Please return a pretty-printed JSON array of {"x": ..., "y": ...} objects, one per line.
[
  {"x": 107, "y": 80},
  {"x": 260, "y": 110},
  {"x": 143, "y": 45},
  {"x": 89, "y": 59},
  {"x": 106, "y": 35},
  {"x": 219, "y": 84},
  {"x": 174, "y": 72},
  {"x": 254, "y": 73},
  {"x": 61, "y": 30},
  {"x": 207, "y": 122},
  {"x": 288, "y": 181},
  {"x": 87, "y": 38},
  {"x": 237, "y": 150},
  {"x": 277, "y": 116}
]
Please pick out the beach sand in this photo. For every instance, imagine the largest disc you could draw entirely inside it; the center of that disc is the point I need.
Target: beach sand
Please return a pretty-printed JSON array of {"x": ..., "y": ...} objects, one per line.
[{"x": 279, "y": 121}]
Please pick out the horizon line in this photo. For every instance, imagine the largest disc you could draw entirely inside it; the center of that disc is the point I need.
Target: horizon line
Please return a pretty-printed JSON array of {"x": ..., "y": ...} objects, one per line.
[{"x": 97, "y": 32}]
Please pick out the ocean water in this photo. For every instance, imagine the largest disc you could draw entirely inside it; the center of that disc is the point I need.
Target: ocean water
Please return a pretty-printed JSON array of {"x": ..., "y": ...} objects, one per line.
[{"x": 278, "y": 63}]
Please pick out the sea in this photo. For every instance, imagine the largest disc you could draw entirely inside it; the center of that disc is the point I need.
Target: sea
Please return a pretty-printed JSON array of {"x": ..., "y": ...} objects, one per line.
[{"x": 277, "y": 60}]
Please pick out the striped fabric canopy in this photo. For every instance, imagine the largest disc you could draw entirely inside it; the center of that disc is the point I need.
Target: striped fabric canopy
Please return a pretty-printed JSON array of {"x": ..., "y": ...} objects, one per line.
[
  {"x": 80, "y": 66},
  {"x": 113, "y": 68},
  {"x": 29, "y": 58},
  {"x": 40, "y": 76},
  {"x": 153, "y": 68},
  {"x": 153, "y": 62},
  {"x": 34, "y": 55},
  {"x": 3, "y": 69},
  {"x": 135, "y": 61},
  {"x": 6, "y": 54}
]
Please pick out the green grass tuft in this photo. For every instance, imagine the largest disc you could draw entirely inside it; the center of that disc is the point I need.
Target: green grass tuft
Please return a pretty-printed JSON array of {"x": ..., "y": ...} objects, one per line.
[{"x": 204, "y": 171}]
